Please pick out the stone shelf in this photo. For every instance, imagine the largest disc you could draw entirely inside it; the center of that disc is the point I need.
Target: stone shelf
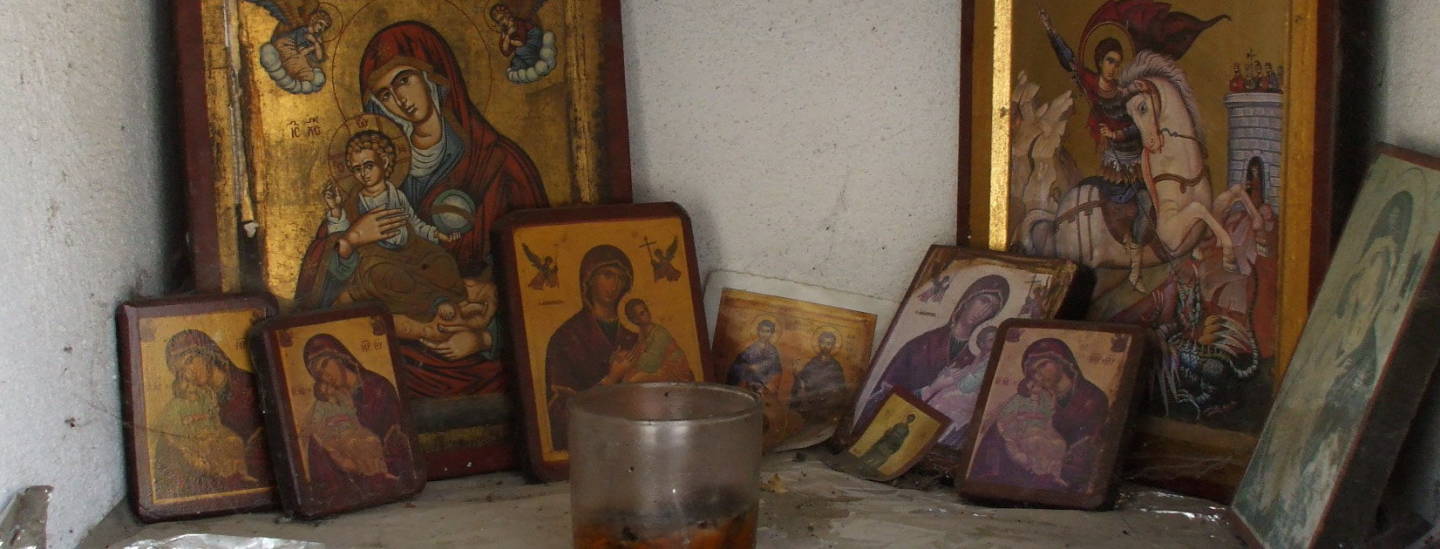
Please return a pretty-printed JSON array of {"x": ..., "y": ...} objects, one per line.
[{"x": 809, "y": 506}]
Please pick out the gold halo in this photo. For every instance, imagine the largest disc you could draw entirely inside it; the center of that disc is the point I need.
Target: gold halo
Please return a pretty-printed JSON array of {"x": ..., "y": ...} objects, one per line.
[
  {"x": 336, "y": 23},
  {"x": 1100, "y": 33},
  {"x": 815, "y": 340},
  {"x": 975, "y": 338},
  {"x": 485, "y": 14},
  {"x": 335, "y": 155},
  {"x": 755, "y": 321}
]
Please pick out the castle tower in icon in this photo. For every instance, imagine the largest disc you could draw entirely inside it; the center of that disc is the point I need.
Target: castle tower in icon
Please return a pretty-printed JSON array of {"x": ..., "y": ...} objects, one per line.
[{"x": 1257, "y": 129}]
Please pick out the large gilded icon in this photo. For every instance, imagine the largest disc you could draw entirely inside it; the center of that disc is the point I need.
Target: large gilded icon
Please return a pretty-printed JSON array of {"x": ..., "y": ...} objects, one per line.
[
  {"x": 1176, "y": 150},
  {"x": 362, "y": 151}
]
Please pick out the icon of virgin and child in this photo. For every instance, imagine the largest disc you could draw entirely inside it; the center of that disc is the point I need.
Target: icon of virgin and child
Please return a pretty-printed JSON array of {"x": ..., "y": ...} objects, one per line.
[
  {"x": 353, "y": 437},
  {"x": 209, "y": 436},
  {"x": 594, "y": 348},
  {"x": 384, "y": 239},
  {"x": 1046, "y": 435},
  {"x": 939, "y": 365}
]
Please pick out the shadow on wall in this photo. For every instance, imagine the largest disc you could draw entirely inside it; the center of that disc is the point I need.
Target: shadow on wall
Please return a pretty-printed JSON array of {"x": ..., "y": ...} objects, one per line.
[{"x": 171, "y": 161}]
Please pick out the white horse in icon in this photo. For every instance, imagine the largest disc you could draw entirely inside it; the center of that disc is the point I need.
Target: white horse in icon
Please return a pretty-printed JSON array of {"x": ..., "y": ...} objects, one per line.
[{"x": 1174, "y": 168}]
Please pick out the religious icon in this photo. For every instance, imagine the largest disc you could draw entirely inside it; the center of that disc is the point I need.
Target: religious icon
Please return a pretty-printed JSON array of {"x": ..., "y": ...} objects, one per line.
[
  {"x": 1156, "y": 144},
  {"x": 894, "y": 439},
  {"x": 656, "y": 355},
  {"x": 192, "y": 424},
  {"x": 940, "y": 349},
  {"x": 804, "y": 359},
  {"x": 377, "y": 169},
  {"x": 547, "y": 274},
  {"x": 1359, "y": 373},
  {"x": 604, "y": 324},
  {"x": 1053, "y": 413},
  {"x": 336, "y": 414}
]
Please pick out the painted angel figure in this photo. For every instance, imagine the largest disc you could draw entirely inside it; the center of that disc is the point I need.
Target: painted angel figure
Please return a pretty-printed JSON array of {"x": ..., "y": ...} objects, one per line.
[
  {"x": 662, "y": 262},
  {"x": 936, "y": 292},
  {"x": 549, "y": 273},
  {"x": 296, "y": 51},
  {"x": 529, "y": 46}
]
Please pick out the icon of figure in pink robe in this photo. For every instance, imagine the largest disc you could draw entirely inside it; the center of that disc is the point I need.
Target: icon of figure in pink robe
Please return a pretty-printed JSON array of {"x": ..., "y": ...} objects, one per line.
[
  {"x": 922, "y": 360},
  {"x": 957, "y": 387}
]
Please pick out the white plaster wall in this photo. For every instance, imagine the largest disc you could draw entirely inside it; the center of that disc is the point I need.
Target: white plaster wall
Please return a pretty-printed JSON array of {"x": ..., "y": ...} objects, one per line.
[
  {"x": 1408, "y": 105},
  {"x": 1409, "y": 112},
  {"x": 814, "y": 141},
  {"x": 81, "y": 221}
]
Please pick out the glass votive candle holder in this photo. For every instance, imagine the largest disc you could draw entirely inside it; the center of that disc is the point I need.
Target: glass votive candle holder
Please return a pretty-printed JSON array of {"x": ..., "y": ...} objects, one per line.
[{"x": 665, "y": 465}]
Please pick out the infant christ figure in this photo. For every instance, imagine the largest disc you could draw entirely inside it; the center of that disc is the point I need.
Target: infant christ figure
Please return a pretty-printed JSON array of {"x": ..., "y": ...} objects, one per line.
[
  {"x": 1030, "y": 437},
  {"x": 655, "y": 356},
  {"x": 405, "y": 268}
]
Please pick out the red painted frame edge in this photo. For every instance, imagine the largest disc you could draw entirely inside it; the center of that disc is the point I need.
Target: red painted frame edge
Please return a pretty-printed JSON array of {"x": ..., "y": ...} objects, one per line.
[{"x": 198, "y": 156}]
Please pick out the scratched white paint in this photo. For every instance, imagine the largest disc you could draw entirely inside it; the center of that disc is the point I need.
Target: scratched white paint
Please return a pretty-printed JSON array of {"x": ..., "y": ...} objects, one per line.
[
  {"x": 80, "y": 151},
  {"x": 810, "y": 140},
  {"x": 1409, "y": 117}
]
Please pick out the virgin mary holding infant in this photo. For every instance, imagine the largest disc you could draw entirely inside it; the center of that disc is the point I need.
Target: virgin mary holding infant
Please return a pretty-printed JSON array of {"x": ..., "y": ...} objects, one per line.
[
  {"x": 1046, "y": 436},
  {"x": 410, "y": 75}
]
